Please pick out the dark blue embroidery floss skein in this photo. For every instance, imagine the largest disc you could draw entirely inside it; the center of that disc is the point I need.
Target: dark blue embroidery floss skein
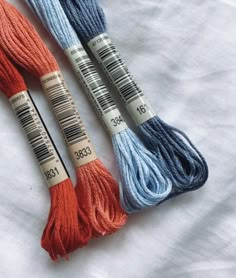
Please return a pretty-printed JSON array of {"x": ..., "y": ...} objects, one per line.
[{"x": 176, "y": 152}]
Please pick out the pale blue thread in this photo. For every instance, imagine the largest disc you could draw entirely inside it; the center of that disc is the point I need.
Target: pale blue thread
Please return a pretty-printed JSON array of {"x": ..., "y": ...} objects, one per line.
[
  {"x": 143, "y": 182},
  {"x": 174, "y": 149}
]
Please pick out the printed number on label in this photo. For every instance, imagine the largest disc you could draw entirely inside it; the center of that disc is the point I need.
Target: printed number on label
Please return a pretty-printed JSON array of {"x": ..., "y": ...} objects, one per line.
[
  {"x": 117, "y": 121},
  {"x": 83, "y": 153},
  {"x": 52, "y": 173},
  {"x": 142, "y": 109}
]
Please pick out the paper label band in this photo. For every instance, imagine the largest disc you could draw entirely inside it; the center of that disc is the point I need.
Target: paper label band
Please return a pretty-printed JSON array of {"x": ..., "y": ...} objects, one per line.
[
  {"x": 45, "y": 152},
  {"x": 75, "y": 135},
  {"x": 108, "y": 56},
  {"x": 96, "y": 90}
]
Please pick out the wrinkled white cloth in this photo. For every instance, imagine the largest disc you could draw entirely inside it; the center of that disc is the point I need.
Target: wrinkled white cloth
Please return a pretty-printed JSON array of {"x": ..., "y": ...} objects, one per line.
[{"x": 183, "y": 54}]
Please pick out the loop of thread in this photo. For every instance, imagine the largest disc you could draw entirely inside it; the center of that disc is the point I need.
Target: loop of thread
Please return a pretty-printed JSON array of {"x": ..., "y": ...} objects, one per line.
[{"x": 143, "y": 183}]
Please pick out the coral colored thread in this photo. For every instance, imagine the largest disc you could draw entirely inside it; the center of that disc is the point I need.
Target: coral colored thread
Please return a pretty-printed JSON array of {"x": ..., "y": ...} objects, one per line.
[{"x": 62, "y": 232}]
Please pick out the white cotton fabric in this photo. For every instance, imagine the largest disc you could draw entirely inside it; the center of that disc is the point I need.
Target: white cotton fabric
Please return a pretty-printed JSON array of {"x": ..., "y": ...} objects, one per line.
[{"x": 183, "y": 54}]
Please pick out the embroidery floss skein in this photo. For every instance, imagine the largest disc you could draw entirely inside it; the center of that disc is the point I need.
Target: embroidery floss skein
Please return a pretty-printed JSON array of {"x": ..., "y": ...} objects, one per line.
[
  {"x": 61, "y": 234},
  {"x": 186, "y": 164},
  {"x": 135, "y": 194},
  {"x": 97, "y": 191}
]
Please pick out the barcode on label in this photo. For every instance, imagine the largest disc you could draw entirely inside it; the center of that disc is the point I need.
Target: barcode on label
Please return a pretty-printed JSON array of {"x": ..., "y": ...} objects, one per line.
[
  {"x": 90, "y": 78},
  {"x": 34, "y": 134},
  {"x": 64, "y": 108},
  {"x": 42, "y": 145},
  {"x": 118, "y": 71},
  {"x": 96, "y": 90},
  {"x": 72, "y": 127}
]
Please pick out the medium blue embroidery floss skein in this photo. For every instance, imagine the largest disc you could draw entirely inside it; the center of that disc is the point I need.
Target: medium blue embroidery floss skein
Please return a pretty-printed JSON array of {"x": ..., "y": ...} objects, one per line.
[
  {"x": 187, "y": 166},
  {"x": 143, "y": 184}
]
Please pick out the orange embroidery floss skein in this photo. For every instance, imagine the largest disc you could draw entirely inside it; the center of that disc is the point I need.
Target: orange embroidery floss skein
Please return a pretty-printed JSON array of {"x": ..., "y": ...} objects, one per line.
[
  {"x": 62, "y": 233},
  {"x": 97, "y": 191}
]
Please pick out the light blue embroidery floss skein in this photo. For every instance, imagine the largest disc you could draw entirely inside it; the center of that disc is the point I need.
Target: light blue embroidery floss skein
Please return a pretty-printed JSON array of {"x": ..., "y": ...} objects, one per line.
[
  {"x": 143, "y": 183},
  {"x": 187, "y": 166}
]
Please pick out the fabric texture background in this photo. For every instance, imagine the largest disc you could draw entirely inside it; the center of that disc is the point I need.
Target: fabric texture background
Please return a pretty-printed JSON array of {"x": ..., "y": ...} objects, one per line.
[{"x": 183, "y": 54}]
